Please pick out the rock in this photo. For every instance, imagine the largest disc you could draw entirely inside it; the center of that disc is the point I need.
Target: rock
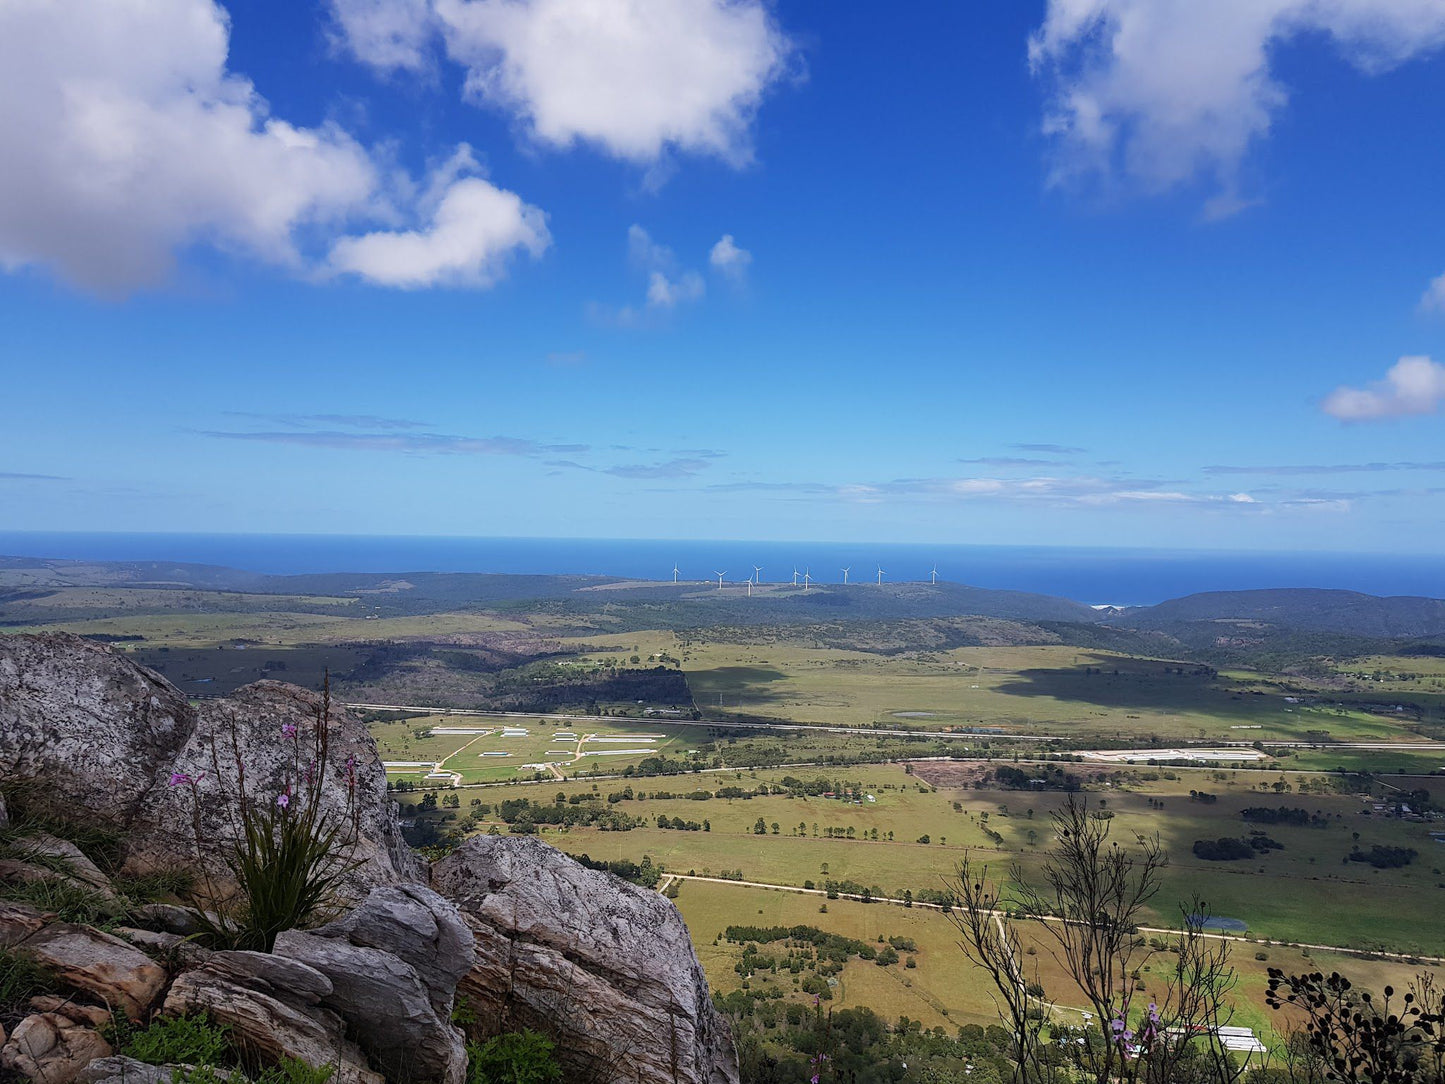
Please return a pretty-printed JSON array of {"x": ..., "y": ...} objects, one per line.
[
  {"x": 95, "y": 730},
  {"x": 16, "y": 872},
  {"x": 19, "y": 920},
  {"x": 52, "y": 1049},
  {"x": 80, "y": 868},
  {"x": 171, "y": 948},
  {"x": 271, "y": 1027},
  {"x": 604, "y": 966},
  {"x": 123, "y": 1070},
  {"x": 104, "y": 737},
  {"x": 85, "y": 1015},
  {"x": 419, "y": 927},
  {"x": 272, "y": 974},
  {"x": 169, "y": 918},
  {"x": 115, "y": 972},
  {"x": 386, "y": 1005}
]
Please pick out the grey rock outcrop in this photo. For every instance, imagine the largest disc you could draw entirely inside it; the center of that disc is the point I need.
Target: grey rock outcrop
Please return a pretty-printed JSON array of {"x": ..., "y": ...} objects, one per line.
[
  {"x": 269, "y": 1023},
  {"x": 585, "y": 955},
  {"x": 95, "y": 729},
  {"x": 104, "y": 736},
  {"x": 394, "y": 963}
]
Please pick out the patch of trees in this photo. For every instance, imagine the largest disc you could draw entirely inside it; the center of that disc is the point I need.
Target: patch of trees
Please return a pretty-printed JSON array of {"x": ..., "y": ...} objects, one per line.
[
  {"x": 1228, "y": 849},
  {"x": 1203, "y": 796},
  {"x": 680, "y": 825},
  {"x": 644, "y": 873},
  {"x": 524, "y": 814},
  {"x": 1300, "y": 818},
  {"x": 1383, "y": 857},
  {"x": 1037, "y": 778}
]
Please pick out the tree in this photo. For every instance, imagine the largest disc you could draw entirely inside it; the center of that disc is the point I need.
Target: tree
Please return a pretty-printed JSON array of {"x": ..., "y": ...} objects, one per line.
[
  {"x": 1091, "y": 895},
  {"x": 760, "y": 828}
]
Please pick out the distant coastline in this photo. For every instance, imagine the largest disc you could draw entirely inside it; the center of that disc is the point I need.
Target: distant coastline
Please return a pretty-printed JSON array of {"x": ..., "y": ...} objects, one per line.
[{"x": 1095, "y": 576}]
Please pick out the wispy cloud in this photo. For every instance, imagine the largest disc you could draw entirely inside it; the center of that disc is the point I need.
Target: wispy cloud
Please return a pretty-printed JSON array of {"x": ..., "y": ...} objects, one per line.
[
  {"x": 412, "y": 443},
  {"x": 1008, "y": 461},
  {"x": 1332, "y": 468},
  {"x": 345, "y": 421},
  {"x": 1049, "y": 449},
  {"x": 16, "y": 476}
]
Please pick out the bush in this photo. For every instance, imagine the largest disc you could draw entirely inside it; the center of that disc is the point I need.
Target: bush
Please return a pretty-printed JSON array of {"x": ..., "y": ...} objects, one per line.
[
  {"x": 177, "y": 1040},
  {"x": 518, "y": 1057}
]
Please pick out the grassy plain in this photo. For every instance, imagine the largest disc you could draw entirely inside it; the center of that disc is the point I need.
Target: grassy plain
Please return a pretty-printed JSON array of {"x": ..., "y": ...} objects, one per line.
[
  {"x": 944, "y": 989},
  {"x": 1277, "y": 895},
  {"x": 601, "y": 746}
]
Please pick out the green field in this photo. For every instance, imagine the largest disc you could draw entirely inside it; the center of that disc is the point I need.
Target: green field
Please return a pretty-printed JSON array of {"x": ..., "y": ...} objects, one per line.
[
  {"x": 944, "y": 988},
  {"x": 594, "y": 748},
  {"x": 1276, "y": 895}
]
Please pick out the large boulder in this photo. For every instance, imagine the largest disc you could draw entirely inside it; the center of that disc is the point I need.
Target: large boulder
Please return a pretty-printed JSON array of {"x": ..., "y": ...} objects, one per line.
[
  {"x": 604, "y": 966},
  {"x": 270, "y": 1023},
  {"x": 96, "y": 730},
  {"x": 104, "y": 739},
  {"x": 107, "y": 967},
  {"x": 394, "y": 962}
]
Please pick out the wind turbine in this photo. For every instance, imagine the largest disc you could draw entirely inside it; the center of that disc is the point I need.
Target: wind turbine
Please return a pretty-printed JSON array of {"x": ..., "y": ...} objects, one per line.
[
  {"x": 934, "y": 574},
  {"x": 880, "y": 575},
  {"x": 795, "y": 575},
  {"x": 807, "y": 579},
  {"x": 750, "y": 587},
  {"x": 758, "y": 571},
  {"x": 845, "y": 575},
  {"x": 674, "y": 573},
  {"x": 719, "y": 576}
]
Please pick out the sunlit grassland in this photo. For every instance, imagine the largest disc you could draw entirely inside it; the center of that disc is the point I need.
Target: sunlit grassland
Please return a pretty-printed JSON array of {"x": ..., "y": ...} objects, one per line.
[
  {"x": 464, "y": 753},
  {"x": 1067, "y": 691},
  {"x": 944, "y": 988},
  {"x": 1278, "y": 895}
]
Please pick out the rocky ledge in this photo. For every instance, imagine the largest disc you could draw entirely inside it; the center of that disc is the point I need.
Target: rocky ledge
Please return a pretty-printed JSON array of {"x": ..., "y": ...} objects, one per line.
[{"x": 524, "y": 935}]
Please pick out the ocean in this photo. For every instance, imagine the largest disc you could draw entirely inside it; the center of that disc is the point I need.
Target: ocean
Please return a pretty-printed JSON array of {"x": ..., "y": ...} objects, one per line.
[{"x": 1091, "y": 575}]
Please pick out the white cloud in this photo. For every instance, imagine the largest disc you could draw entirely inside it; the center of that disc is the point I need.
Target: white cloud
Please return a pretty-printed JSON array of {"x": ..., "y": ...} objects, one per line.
[
  {"x": 125, "y": 139},
  {"x": 387, "y": 35},
  {"x": 1434, "y": 296},
  {"x": 1413, "y": 385},
  {"x": 664, "y": 292},
  {"x": 473, "y": 230},
  {"x": 729, "y": 259},
  {"x": 1167, "y": 90},
  {"x": 632, "y": 77},
  {"x": 646, "y": 253}
]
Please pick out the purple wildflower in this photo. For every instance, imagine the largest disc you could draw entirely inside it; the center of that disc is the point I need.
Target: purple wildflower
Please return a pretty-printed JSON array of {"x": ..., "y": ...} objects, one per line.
[
  {"x": 283, "y": 799},
  {"x": 179, "y": 778},
  {"x": 288, "y": 730}
]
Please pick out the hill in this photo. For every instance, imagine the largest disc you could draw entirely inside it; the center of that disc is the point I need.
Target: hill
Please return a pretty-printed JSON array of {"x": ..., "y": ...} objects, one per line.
[{"x": 1348, "y": 613}]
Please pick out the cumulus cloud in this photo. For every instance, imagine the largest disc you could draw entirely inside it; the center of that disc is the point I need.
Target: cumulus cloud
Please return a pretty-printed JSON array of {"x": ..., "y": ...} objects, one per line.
[
  {"x": 388, "y": 35},
  {"x": 1167, "y": 90},
  {"x": 473, "y": 229},
  {"x": 664, "y": 293},
  {"x": 1433, "y": 299},
  {"x": 1413, "y": 385},
  {"x": 730, "y": 260},
  {"x": 126, "y": 138},
  {"x": 634, "y": 78}
]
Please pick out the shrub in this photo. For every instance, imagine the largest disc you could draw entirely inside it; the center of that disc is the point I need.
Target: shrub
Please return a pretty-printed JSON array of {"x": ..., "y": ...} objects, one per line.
[
  {"x": 518, "y": 1057},
  {"x": 177, "y": 1040}
]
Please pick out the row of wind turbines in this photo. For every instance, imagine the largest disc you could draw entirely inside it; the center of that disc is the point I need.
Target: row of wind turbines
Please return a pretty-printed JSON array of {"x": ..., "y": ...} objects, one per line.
[{"x": 806, "y": 575}]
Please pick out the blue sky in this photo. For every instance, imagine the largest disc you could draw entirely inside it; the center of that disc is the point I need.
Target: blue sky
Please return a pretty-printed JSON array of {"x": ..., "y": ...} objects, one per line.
[{"x": 1104, "y": 272}]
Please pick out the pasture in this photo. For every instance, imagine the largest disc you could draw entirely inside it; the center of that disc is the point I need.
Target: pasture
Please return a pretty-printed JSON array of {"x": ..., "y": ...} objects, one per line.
[{"x": 1276, "y": 893}]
